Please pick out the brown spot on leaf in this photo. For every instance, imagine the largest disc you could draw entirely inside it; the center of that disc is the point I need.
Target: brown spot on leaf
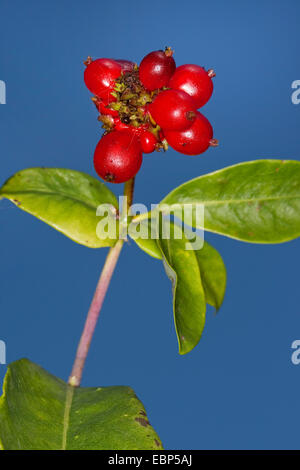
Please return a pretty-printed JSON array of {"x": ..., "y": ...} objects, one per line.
[
  {"x": 222, "y": 180},
  {"x": 142, "y": 413},
  {"x": 157, "y": 443},
  {"x": 16, "y": 201},
  {"x": 143, "y": 422}
]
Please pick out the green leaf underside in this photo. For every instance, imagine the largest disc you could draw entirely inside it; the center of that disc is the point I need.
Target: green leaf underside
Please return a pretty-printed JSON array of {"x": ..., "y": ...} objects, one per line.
[
  {"x": 41, "y": 412},
  {"x": 256, "y": 201},
  {"x": 189, "y": 304},
  {"x": 66, "y": 200}
]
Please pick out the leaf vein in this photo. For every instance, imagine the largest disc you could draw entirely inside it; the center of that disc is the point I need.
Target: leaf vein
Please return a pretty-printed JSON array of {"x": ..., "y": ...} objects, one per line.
[
  {"x": 236, "y": 201},
  {"x": 49, "y": 193},
  {"x": 66, "y": 421}
]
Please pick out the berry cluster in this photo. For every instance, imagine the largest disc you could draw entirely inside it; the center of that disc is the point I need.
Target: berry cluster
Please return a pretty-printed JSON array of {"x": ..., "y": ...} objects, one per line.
[{"x": 145, "y": 108}]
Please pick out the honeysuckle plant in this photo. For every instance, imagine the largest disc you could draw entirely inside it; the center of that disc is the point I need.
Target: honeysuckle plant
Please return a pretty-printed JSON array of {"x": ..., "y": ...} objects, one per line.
[{"x": 255, "y": 202}]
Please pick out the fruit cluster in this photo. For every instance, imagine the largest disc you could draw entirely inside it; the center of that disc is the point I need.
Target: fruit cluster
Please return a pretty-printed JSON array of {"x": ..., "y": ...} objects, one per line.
[{"x": 145, "y": 108}]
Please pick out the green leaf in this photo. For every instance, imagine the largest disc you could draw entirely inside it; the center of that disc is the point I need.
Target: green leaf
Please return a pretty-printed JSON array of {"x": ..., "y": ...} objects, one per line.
[
  {"x": 256, "y": 201},
  {"x": 213, "y": 271},
  {"x": 141, "y": 234},
  {"x": 39, "y": 411},
  {"x": 189, "y": 303},
  {"x": 149, "y": 246},
  {"x": 213, "y": 274},
  {"x": 65, "y": 199}
]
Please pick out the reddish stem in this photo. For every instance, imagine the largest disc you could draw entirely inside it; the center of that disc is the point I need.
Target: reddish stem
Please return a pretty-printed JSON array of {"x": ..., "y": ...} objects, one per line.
[{"x": 98, "y": 299}]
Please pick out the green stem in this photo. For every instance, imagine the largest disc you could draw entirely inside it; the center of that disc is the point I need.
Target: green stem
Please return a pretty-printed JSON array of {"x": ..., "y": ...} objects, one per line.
[{"x": 99, "y": 296}]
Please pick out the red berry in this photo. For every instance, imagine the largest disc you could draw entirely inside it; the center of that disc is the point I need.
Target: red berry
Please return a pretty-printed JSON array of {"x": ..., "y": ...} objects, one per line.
[
  {"x": 148, "y": 142},
  {"x": 194, "y": 140},
  {"x": 173, "y": 110},
  {"x": 118, "y": 156},
  {"x": 99, "y": 77},
  {"x": 195, "y": 81},
  {"x": 126, "y": 65},
  {"x": 156, "y": 69}
]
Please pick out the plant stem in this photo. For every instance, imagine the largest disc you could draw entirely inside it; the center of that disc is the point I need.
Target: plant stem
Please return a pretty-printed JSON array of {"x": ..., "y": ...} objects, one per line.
[
  {"x": 101, "y": 289},
  {"x": 93, "y": 314}
]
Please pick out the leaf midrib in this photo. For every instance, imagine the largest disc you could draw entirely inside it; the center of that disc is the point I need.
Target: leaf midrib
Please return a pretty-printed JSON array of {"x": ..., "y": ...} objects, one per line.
[
  {"x": 67, "y": 412},
  {"x": 252, "y": 163},
  {"x": 230, "y": 201},
  {"x": 49, "y": 193}
]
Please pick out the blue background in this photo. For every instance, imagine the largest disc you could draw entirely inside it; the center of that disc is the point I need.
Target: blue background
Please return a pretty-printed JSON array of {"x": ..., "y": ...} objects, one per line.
[{"x": 238, "y": 388}]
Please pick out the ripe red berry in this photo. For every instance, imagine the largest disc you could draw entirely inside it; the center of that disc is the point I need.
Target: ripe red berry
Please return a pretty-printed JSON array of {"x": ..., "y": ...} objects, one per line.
[
  {"x": 148, "y": 142},
  {"x": 194, "y": 140},
  {"x": 195, "y": 81},
  {"x": 156, "y": 69},
  {"x": 173, "y": 110},
  {"x": 118, "y": 156},
  {"x": 126, "y": 65},
  {"x": 99, "y": 77}
]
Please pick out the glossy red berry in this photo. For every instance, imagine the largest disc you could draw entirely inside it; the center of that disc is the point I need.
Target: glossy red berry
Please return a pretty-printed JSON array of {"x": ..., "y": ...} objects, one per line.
[
  {"x": 148, "y": 142},
  {"x": 156, "y": 69},
  {"x": 100, "y": 76},
  {"x": 118, "y": 156},
  {"x": 194, "y": 140},
  {"x": 126, "y": 65},
  {"x": 173, "y": 110},
  {"x": 195, "y": 81}
]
